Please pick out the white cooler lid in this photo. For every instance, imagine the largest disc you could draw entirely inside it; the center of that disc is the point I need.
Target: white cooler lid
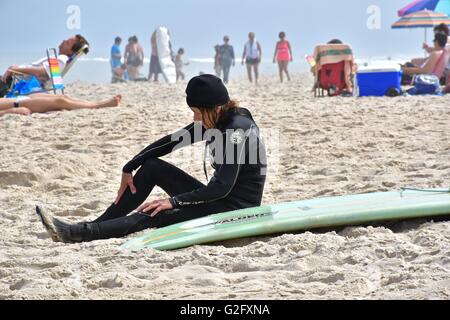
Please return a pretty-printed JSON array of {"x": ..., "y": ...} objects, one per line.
[{"x": 379, "y": 68}]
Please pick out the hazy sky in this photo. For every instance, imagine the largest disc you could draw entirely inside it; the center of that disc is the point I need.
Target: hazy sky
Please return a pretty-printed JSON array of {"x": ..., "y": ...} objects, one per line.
[{"x": 32, "y": 25}]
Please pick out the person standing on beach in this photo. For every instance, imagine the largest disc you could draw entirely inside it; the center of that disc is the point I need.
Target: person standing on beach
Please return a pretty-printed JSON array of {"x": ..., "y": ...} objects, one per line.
[
  {"x": 116, "y": 61},
  {"x": 155, "y": 66},
  {"x": 238, "y": 181},
  {"x": 252, "y": 56},
  {"x": 283, "y": 55},
  {"x": 134, "y": 58},
  {"x": 116, "y": 55},
  {"x": 227, "y": 58}
]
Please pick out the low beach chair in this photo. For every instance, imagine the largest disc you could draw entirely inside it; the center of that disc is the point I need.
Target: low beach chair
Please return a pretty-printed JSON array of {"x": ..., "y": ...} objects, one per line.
[
  {"x": 447, "y": 76},
  {"x": 441, "y": 65},
  {"x": 439, "y": 70},
  {"x": 55, "y": 80},
  {"x": 447, "y": 87},
  {"x": 333, "y": 69}
]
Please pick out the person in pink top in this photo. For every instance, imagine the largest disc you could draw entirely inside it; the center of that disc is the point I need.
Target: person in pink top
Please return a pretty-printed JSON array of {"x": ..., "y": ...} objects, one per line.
[{"x": 283, "y": 55}]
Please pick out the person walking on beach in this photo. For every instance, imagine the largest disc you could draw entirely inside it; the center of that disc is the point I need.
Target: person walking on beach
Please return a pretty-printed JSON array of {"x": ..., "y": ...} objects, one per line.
[
  {"x": 134, "y": 58},
  {"x": 179, "y": 64},
  {"x": 227, "y": 58},
  {"x": 238, "y": 180},
  {"x": 252, "y": 56},
  {"x": 217, "y": 61},
  {"x": 42, "y": 103},
  {"x": 283, "y": 55}
]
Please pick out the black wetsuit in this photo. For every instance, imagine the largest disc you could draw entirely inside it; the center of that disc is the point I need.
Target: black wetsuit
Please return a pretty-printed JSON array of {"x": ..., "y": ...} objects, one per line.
[{"x": 239, "y": 160}]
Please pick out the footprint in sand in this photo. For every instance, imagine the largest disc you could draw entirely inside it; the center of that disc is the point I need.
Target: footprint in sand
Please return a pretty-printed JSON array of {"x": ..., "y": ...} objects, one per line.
[
  {"x": 22, "y": 179},
  {"x": 63, "y": 147},
  {"x": 19, "y": 285}
]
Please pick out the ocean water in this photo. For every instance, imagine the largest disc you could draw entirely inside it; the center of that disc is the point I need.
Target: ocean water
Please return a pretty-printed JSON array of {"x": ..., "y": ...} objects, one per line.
[{"x": 97, "y": 69}]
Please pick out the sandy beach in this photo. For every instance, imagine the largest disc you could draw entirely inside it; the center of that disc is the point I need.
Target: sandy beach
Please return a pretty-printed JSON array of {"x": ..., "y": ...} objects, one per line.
[{"x": 70, "y": 163}]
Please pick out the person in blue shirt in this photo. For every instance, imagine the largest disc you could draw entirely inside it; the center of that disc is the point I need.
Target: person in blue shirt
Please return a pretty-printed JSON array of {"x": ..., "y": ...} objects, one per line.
[
  {"x": 116, "y": 55},
  {"x": 116, "y": 60}
]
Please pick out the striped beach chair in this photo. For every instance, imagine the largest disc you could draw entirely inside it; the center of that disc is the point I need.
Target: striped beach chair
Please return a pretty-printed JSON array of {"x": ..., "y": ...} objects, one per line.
[
  {"x": 55, "y": 71},
  {"x": 56, "y": 74}
]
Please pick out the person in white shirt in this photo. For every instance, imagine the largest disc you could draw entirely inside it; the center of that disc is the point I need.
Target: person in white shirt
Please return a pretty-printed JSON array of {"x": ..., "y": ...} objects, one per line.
[{"x": 252, "y": 56}]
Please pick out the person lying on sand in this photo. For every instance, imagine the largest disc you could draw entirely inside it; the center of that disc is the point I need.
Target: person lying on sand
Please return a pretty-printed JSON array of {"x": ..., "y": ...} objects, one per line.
[
  {"x": 238, "y": 156},
  {"x": 41, "y": 103}
]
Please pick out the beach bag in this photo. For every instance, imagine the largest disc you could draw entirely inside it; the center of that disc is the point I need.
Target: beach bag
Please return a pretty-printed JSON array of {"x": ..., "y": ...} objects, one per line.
[
  {"x": 25, "y": 87},
  {"x": 426, "y": 84}
]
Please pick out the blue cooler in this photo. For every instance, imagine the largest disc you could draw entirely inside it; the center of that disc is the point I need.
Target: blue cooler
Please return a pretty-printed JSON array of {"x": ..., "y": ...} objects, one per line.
[{"x": 378, "y": 80}]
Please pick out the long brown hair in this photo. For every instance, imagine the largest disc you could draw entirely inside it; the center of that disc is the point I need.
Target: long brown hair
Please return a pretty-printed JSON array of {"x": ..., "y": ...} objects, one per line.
[{"x": 212, "y": 117}]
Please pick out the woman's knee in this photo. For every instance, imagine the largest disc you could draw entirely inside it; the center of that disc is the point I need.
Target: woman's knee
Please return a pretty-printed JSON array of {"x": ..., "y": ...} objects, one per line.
[
  {"x": 156, "y": 167},
  {"x": 153, "y": 164},
  {"x": 61, "y": 100}
]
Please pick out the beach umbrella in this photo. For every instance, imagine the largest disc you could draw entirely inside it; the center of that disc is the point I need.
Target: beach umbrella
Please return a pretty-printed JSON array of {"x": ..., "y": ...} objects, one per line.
[
  {"x": 422, "y": 19},
  {"x": 441, "y": 6}
]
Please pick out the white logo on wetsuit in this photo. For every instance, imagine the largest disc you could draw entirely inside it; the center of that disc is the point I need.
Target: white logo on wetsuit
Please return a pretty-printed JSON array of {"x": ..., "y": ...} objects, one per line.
[{"x": 236, "y": 137}]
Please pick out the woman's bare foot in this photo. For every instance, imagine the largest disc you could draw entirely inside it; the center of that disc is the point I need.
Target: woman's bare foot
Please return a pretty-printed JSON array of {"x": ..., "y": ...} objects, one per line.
[
  {"x": 22, "y": 111},
  {"x": 113, "y": 102}
]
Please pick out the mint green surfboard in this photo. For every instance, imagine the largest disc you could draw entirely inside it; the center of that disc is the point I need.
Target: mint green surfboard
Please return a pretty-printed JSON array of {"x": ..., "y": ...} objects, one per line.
[{"x": 297, "y": 216}]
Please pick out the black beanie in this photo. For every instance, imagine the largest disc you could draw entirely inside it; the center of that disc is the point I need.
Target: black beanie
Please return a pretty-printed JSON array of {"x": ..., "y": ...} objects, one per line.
[{"x": 206, "y": 91}]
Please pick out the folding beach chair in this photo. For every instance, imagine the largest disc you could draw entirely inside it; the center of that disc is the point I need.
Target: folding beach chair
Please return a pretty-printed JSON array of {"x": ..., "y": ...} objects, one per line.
[
  {"x": 72, "y": 59},
  {"x": 441, "y": 66},
  {"x": 447, "y": 87},
  {"x": 439, "y": 70},
  {"x": 54, "y": 83},
  {"x": 333, "y": 69},
  {"x": 447, "y": 76},
  {"x": 55, "y": 71}
]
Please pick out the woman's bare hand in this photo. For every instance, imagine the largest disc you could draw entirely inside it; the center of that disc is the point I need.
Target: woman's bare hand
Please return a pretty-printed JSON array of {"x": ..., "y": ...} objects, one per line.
[
  {"x": 157, "y": 206},
  {"x": 127, "y": 182}
]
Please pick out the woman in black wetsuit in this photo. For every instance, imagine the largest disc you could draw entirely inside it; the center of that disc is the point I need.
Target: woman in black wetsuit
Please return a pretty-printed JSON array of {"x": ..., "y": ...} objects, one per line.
[{"x": 238, "y": 157}]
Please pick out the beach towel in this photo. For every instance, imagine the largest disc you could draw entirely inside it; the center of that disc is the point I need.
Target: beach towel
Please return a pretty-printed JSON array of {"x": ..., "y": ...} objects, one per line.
[
  {"x": 332, "y": 53},
  {"x": 333, "y": 67},
  {"x": 25, "y": 87}
]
